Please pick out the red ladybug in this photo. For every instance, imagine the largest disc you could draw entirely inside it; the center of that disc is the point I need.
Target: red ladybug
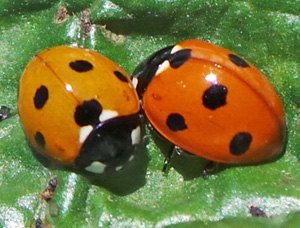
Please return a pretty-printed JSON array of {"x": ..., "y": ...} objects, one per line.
[{"x": 212, "y": 103}]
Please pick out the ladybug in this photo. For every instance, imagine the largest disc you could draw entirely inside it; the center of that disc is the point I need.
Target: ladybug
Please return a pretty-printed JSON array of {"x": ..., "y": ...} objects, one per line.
[
  {"x": 79, "y": 109},
  {"x": 210, "y": 102}
]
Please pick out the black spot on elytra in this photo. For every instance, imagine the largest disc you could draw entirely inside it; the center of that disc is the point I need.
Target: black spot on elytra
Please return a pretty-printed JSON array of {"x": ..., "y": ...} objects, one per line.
[
  {"x": 40, "y": 140},
  {"x": 240, "y": 143},
  {"x": 41, "y": 96},
  {"x": 176, "y": 122},
  {"x": 179, "y": 58},
  {"x": 238, "y": 60},
  {"x": 120, "y": 76},
  {"x": 81, "y": 66},
  {"x": 215, "y": 96},
  {"x": 88, "y": 113}
]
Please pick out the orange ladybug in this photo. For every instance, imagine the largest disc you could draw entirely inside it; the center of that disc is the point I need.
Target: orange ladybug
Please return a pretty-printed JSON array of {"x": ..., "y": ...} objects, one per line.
[
  {"x": 80, "y": 109},
  {"x": 212, "y": 103}
]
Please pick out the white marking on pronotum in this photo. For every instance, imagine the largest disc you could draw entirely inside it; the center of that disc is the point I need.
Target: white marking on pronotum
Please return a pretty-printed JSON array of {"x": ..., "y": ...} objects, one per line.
[
  {"x": 162, "y": 67},
  {"x": 176, "y": 48},
  {"x": 136, "y": 135},
  {"x": 107, "y": 114},
  {"x": 166, "y": 64},
  {"x": 96, "y": 167},
  {"x": 134, "y": 82},
  {"x": 84, "y": 133}
]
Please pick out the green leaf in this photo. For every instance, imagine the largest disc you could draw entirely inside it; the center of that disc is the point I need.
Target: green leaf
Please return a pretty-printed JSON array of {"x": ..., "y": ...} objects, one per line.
[{"x": 267, "y": 33}]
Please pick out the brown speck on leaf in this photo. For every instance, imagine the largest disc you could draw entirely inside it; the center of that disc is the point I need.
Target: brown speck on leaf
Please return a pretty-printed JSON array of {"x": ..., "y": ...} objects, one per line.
[
  {"x": 62, "y": 15},
  {"x": 86, "y": 24},
  {"x": 48, "y": 193},
  {"x": 257, "y": 212}
]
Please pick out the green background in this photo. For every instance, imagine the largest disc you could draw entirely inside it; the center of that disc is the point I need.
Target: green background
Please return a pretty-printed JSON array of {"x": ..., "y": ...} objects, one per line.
[{"x": 265, "y": 32}]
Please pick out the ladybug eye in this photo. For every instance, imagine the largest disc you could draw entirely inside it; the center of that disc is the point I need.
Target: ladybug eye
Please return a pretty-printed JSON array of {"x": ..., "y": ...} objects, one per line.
[{"x": 81, "y": 66}]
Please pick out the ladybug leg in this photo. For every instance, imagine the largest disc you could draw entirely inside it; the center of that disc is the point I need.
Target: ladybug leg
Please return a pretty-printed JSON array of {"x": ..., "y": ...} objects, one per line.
[
  {"x": 167, "y": 160},
  {"x": 208, "y": 168},
  {"x": 174, "y": 150}
]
